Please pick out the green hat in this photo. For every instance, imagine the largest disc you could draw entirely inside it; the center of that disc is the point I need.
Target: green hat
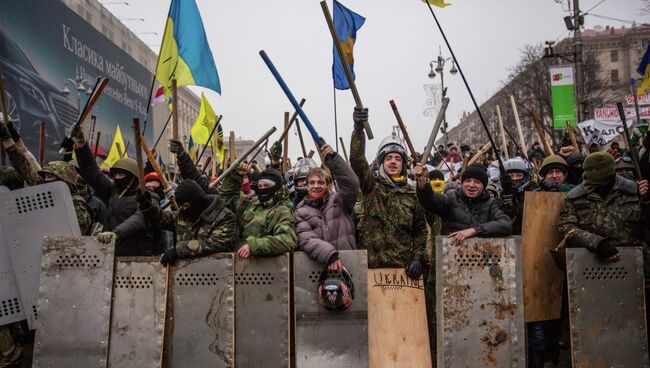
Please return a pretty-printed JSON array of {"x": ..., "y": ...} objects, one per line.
[
  {"x": 62, "y": 170},
  {"x": 598, "y": 169},
  {"x": 553, "y": 162},
  {"x": 126, "y": 164}
]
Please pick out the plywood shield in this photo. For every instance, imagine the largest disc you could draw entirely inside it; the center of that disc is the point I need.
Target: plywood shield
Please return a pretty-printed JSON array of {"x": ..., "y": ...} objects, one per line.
[
  {"x": 607, "y": 309},
  {"x": 74, "y": 303},
  {"x": 137, "y": 313},
  {"x": 262, "y": 310},
  {"x": 203, "y": 310},
  {"x": 479, "y": 303},
  {"x": 397, "y": 320},
  {"x": 11, "y": 306},
  {"x": 543, "y": 279},
  {"x": 28, "y": 215},
  {"x": 325, "y": 339}
]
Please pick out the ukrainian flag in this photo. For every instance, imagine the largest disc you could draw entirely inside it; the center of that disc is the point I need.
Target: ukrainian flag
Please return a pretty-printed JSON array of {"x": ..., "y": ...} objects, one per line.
[
  {"x": 185, "y": 54},
  {"x": 346, "y": 23},
  {"x": 644, "y": 70}
]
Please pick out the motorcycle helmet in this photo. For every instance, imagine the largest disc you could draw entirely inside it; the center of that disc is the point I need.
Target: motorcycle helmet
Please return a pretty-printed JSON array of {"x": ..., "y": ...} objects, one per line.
[{"x": 335, "y": 293}]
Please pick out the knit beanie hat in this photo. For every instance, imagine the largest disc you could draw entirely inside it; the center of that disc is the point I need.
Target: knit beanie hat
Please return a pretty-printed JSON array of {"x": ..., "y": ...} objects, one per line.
[
  {"x": 476, "y": 171},
  {"x": 598, "y": 169}
]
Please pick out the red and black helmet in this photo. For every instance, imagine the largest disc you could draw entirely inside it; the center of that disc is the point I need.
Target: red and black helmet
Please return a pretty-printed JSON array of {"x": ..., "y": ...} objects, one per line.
[{"x": 335, "y": 290}]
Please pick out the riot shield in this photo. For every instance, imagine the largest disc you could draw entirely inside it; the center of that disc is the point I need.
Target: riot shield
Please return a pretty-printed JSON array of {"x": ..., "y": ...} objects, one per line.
[
  {"x": 11, "y": 307},
  {"x": 543, "y": 279},
  {"x": 262, "y": 312},
  {"x": 479, "y": 303},
  {"x": 330, "y": 339},
  {"x": 397, "y": 320},
  {"x": 28, "y": 215},
  {"x": 74, "y": 303},
  {"x": 607, "y": 309},
  {"x": 139, "y": 293},
  {"x": 203, "y": 312}
]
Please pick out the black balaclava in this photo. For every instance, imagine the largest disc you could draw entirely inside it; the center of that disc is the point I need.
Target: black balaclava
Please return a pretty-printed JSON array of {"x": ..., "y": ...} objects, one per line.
[
  {"x": 125, "y": 182},
  {"x": 267, "y": 193},
  {"x": 190, "y": 192}
]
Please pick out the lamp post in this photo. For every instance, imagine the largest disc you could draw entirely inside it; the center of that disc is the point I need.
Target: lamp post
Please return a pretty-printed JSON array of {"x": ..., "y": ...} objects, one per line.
[
  {"x": 81, "y": 85},
  {"x": 440, "y": 68}
]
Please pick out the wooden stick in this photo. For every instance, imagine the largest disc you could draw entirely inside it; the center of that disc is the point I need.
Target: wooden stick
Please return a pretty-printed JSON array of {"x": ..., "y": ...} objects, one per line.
[
  {"x": 345, "y": 152},
  {"x": 96, "y": 144},
  {"x": 232, "y": 152},
  {"x": 158, "y": 170},
  {"x": 138, "y": 152},
  {"x": 293, "y": 118},
  {"x": 205, "y": 146},
  {"x": 572, "y": 135},
  {"x": 205, "y": 165},
  {"x": 41, "y": 145},
  {"x": 346, "y": 66},
  {"x": 480, "y": 153},
  {"x": 310, "y": 154},
  {"x": 518, "y": 123},
  {"x": 302, "y": 142},
  {"x": 126, "y": 149},
  {"x": 5, "y": 115},
  {"x": 434, "y": 132},
  {"x": 398, "y": 117},
  {"x": 504, "y": 144},
  {"x": 93, "y": 118},
  {"x": 285, "y": 145},
  {"x": 214, "y": 157},
  {"x": 256, "y": 153},
  {"x": 540, "y": 133},
  {"x": 120, "y": 152},
  {"x": 174, "y": 110}
]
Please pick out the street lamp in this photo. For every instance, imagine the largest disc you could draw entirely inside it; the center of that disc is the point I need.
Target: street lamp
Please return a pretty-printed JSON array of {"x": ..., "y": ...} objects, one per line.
[
  {"x": 439, "y": 69},
  {"x": 80, "y": 84}
]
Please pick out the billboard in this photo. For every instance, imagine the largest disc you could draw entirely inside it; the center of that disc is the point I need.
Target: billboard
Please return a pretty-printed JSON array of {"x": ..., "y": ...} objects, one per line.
[
  {"x": 562, "y": 97},
  {"x": 51, "y": 58}
]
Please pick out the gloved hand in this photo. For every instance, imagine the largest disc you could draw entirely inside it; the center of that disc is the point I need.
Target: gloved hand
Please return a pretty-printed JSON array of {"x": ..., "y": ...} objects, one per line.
[
  {"x": 506, "y": 183},
  {"x": 605, "y": 249},
  {"x": 276, "y": 151},
  {"x": 169, "y": 192},
  {"x": 12, "y": 130},
  {"x": 176, "y": 147},
  {"x": 77, "y": 135},
  {"x": 106, "y": 237},
  {"x": 359, "y": 117},
  {"x": 144, "y": 199},
  {"x": 550, "y": 186},
  {"x": 4, "y": 132},
  {"x": 169, "y": 257},
  {"x": 414, "y": 268}
]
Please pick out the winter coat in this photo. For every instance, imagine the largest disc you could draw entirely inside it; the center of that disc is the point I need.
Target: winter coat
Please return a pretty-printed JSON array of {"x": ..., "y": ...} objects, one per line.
[
  {"x": 189, "y": 171},
  {"x": 324, "y": 231},
  {"x": 135, "y": 234},
  {"x": 214, "y": 231},
  {"x": 267, "y": 228},
  {"x": 393, "y": 227},
  {"x": 458, "y": 212}
]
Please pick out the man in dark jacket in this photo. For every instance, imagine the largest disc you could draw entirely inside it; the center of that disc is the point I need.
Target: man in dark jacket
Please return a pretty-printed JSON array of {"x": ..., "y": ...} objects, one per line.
[
  {"x": 466, "y": 213},
  {"x": 324, "y": 220},
  {"x": 203, "y": 224},
  {"x": 133, "y": 232},
  {"x": 187, "y": 168}
]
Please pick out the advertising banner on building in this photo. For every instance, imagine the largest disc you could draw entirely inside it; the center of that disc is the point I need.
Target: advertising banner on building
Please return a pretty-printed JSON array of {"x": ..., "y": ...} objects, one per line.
[
  {"x": 611, "y": 113},
  {"x": 51, "y": 58},
  {"x": 562, "y": 96},
  {"x": 601, "y": 131}
]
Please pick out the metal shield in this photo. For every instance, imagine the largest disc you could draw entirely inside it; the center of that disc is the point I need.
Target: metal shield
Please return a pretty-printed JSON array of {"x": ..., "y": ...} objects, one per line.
[
  {"x": 74, "y": 303},
  {"x": 262, "y": 310},
  {"x": 28, "y": 215},
  {"x": 139, "y": 294},
  {"x": 479, "y": 303},
  {"x": 11, "y": 306},
  {"x": 330, "y": 339},
  {"x": 203, "y": 310},
  {"x": 607, "y": 309}
]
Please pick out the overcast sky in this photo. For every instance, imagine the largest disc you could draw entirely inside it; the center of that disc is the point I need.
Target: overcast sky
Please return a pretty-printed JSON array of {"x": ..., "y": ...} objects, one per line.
[{"x": 392, "y": 55}]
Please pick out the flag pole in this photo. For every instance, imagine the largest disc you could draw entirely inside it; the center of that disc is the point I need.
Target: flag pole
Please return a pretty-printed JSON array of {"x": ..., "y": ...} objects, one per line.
[
  {"x": 469, "y": 90},
  {"x": 174, "y": 110},
  {"x": 336, "y": 123},
  {"x": 162, "y": 131},
  {"x": 345, "y": 152},
  {"x": 99, "y": 133},
  {"x": 346, "y": 67},
  {"x": 205, "y": 146},
  {"x": 285, "y": 144}
]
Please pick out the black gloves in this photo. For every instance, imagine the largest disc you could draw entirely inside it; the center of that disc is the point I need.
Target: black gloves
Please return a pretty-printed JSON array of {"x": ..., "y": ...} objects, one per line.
[
  {"x": 169, "y": 257},
  {"x": 606, "y": 249},
  {"x": 77, "y": 135},
  {"x": 359, "y": 117},
  {"x": 276, "y": 151},
  {"x": 12, "y": 130},
  {"x": 333, "y": 258},
  {"x": 4, "y": 132},
  {"x": 144, "y": 199},
  {"x": 176, "y": 147},
  {"x": 414, "y": 268},
  {"x": 550, "y": 186}
]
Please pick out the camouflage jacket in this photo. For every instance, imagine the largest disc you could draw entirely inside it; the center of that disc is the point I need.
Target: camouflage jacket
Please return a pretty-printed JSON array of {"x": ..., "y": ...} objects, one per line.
[
  {"x": 215, "y": 230},
  {"x": 393, "y": 228},
  {"x": 586, "y": 218},
  {"x": 268, "y": 228},
  {"x": 29, "y": 174}
]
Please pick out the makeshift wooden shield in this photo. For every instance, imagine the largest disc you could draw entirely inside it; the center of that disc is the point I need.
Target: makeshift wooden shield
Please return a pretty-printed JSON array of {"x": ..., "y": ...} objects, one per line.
[
  {"x": 203, "y": 312},
  {"x": 543, "y": 279},
  {"x": 607, "y": 309},
  {"x": 330, "y": 339},
  {"x": 74, "y": 303},
  {"x": 139, "y": 293},
  {"x": 479, "y": 303},
  {"x": 397, "y": 320},
  {"x": 262, "y": 312}
]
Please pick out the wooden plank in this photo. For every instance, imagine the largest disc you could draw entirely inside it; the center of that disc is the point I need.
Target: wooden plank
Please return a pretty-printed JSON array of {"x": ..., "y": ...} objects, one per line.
[
  {"x": 397, "y": 320},
  {"x": 543, "y": 279}
]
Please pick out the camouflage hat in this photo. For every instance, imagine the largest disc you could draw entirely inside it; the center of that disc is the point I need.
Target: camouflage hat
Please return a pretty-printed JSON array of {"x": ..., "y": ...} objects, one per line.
[
  {"x": 126, "y": 164},
  {"x": 553, "y": 162},
  {"x": 62, "y": 170}
]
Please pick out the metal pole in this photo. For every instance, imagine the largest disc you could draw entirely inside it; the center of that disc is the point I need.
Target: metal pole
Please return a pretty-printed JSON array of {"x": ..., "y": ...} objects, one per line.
[
  {"x": 443, "y": 95},
  {"x": 434, "y": 132},
  {"x": 577, "y": 38},
  {"x": 205, "y": 146},
  {"x": 302, "y": 141},
  {"x": 504, "y": 144}
]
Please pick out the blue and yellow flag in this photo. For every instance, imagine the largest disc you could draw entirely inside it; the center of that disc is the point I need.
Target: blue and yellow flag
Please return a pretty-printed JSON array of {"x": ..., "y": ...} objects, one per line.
[
  {"x": 438, "y": 3},
  {"x": 204, "y": 122},
  {"x": 185, "y": 54},
  {"x": 346, "y": 23},
  {"x": 644, "y": 70},
  {"x": 220, "y": 150}
]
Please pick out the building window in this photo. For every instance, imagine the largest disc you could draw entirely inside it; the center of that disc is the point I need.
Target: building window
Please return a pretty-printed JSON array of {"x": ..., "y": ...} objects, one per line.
[
  {"x": 614, "y": 75},
  {"x": 613, "y": 56}
]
